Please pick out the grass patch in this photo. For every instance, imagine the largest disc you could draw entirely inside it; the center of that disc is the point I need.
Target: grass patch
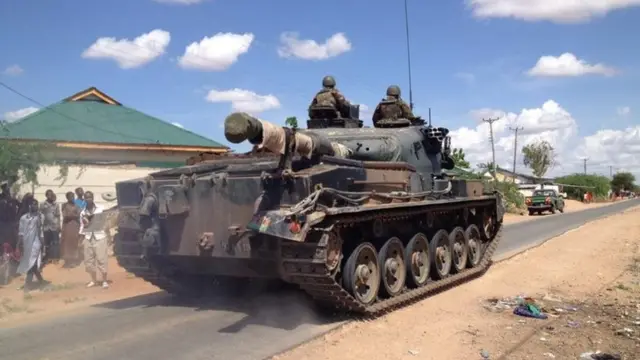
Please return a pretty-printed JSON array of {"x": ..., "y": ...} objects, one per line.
[
  {"x": 9, "y": 307},
  {"x": 634, "y": 267},
  {"x": 60, "y": 287},
  {"x": 74, "y": 300},
  {"x": 623, "y": 287}
]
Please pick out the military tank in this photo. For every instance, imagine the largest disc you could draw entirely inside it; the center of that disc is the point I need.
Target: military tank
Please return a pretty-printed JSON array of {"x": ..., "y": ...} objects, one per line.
[{"x": 362, "y": 219}]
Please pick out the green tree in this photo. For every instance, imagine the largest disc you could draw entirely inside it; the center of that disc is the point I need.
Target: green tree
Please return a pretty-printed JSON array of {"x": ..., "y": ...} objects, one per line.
[
  {"x": 575, "y": 185},
  {"x": 539, "y": 156},
  {"x": 458, "y": 158},
  {"x": 489, "y": 167},
  {"x": 292, "y": 122},
  {"x": 623, "y": 181},
  {"x": 21, "y": 161}
]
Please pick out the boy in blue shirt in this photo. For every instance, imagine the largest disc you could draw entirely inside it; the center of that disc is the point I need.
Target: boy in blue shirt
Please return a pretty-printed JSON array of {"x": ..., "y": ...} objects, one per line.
[{"x": 79, "y": 200}]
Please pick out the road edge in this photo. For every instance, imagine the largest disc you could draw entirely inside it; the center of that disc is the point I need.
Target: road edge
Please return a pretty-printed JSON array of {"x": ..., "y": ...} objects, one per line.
[{"x": 536, "y": 244}]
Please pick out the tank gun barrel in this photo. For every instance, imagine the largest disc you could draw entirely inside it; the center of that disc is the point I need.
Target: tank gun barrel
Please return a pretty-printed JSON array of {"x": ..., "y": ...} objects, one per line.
[{"x": 240, "y": 126}]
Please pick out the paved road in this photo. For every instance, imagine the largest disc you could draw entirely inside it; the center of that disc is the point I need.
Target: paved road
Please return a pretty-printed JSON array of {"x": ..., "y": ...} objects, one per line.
[{"x": 158, "y": 327}]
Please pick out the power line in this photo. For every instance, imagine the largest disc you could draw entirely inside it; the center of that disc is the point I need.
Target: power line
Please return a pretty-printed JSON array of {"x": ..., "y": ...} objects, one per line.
[
  {"x": 515, "y": 149},
  {"x": 493, "y": 147},
  {"x": 48, "y": 108}
]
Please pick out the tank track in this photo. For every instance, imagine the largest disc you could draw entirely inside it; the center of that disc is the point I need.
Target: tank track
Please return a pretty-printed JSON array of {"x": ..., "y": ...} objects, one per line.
[
  {"x": 133, "y": 257},
  {"x": 304, "y": 265}
]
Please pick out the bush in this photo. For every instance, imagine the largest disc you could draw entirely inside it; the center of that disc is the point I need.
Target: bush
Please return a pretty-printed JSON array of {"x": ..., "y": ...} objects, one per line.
[
  {"x": 514, "y": 200},
  {"x": 600, "y": 185}
]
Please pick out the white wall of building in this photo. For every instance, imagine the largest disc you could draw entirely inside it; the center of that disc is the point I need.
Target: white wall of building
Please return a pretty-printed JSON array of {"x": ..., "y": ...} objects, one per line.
[{"x": 95, "y": 178}]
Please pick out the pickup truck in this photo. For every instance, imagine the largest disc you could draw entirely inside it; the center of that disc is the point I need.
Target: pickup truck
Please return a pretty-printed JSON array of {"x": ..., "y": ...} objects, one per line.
[{"x": 544, "y": 200}]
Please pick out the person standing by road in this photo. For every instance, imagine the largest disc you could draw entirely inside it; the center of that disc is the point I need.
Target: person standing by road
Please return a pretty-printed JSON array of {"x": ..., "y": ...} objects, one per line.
[
  {"x": 51, "y": 226},
  {"x": 80, "y": 201},
  {"x": 30, "y": 236},
  {"x": 82, "y": 204},
  {"x": 95, "y": 242},
  {"x": 70, "y": 231}
]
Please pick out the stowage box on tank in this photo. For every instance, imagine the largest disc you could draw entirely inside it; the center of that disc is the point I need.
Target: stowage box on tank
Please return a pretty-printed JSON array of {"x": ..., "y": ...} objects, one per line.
[{"x": 362, "y": 219}]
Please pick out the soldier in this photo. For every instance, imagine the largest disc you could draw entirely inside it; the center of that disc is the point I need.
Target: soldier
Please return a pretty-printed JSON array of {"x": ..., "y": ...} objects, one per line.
[
  {"x": 330, "y": 96},
  {"x": 392, "y": 107}
]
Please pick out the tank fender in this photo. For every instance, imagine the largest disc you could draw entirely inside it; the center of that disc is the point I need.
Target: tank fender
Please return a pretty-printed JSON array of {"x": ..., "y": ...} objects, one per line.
[{"x": 280, "y": 223}]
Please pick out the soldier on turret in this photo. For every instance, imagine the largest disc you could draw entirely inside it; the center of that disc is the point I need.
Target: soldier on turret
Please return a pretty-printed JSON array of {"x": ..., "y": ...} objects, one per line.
[
  {"x": 330, "y": 96},
  {"x": 392, "y": 107}
]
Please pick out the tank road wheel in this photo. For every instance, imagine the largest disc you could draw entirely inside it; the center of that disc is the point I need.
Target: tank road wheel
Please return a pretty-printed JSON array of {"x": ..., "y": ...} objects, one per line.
[
  {"x": 474, "y": 241},
  {"x": 417, "y": 261},
  {"x": 334, "y": 251},
  {"x": 459, "y": 249},
  {"x": 488, "y": 225},
  {"x": 441, "y": 254},
  {"x": 361, "y": 274},
  {"x": 392, "y": 267}
]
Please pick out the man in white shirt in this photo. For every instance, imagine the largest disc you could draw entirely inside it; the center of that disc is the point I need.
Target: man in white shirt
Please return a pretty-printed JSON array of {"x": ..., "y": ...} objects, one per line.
[{"x": 95, "y": 242}]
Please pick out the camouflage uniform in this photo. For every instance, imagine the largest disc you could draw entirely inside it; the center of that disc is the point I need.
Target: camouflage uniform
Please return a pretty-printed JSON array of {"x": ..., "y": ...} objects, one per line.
[
  {"x": 329, "y": 96},
  {"x": 392, "y": 107}
]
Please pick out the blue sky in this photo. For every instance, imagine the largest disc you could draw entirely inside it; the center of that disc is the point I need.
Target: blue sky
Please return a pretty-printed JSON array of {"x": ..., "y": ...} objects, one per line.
[{"x": 461, "y": 62}]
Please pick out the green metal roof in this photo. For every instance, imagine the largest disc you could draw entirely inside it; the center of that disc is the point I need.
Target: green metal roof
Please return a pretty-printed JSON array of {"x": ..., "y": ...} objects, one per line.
[{"x": 90, "y": 119}]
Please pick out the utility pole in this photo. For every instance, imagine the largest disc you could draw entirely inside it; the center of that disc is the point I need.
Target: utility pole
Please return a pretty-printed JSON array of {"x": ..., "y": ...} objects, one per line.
[
  {"x": 515, "y": 149},
  {"x": 610, "y": 171},
  {"x": 585, "y": 165},
  {"x": 493, "y": 147}
]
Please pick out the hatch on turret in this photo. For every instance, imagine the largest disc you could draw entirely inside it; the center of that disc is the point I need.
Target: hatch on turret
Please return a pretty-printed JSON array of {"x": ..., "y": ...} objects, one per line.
[{"x": 321, "y": 117}]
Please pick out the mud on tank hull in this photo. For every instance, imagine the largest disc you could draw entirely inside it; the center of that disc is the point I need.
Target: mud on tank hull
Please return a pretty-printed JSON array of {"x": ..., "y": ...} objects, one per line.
[{"x": 187, "y": 228}]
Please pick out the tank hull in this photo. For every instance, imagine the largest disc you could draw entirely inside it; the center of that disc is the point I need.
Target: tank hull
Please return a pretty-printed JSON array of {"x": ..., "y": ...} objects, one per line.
[{"x": 223, "y": 222}]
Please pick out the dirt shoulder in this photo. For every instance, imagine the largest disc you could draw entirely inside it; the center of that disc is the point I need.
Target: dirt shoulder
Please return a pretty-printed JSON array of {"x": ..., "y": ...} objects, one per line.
[
  {"x": 66, "y": 294},
  {"x": 588, "y": 280}
]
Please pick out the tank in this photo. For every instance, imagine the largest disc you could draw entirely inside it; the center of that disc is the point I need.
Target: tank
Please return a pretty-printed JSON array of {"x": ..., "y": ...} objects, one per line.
[{"x": 362, "y": 219}]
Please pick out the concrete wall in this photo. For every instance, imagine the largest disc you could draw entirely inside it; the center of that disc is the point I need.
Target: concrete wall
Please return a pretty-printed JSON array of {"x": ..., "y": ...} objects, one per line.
[{"x": 95, "y": 178}]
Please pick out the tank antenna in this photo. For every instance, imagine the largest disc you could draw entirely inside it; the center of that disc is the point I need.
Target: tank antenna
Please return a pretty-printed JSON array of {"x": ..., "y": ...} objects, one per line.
[
  {"x": 429, "y": 116},
  {"x": 406, "y": 25}
]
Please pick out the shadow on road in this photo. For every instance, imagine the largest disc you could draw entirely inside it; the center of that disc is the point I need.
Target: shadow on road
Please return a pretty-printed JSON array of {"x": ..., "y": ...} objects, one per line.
[{"x": 284, "y": 309}]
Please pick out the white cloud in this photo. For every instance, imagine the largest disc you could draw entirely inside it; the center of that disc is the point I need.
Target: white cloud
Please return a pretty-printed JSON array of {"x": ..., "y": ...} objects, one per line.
[
  {"x": 12, "y": 116},
  {"x": 617, "y": 148},
  {"x": 13, "y": 70},
  {"x": 292, "y": 46},
  {"x": 127, "y": 53},
  {"x": 552, "y": 10},
  {"x": 567, "y": 64},
  {"x": 623, "y": 111},
  {"x": 180, "y": 2},
  {"x": 177, "y": 124},
  {"x": 244, "y": 100},
  {"x": 216, "y": 53},
  {"x": 549, "y": 122}
]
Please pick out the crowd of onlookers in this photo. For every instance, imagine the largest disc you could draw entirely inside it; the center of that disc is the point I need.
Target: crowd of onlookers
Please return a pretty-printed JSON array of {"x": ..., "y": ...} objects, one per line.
[{"x": 36, "y": 233}]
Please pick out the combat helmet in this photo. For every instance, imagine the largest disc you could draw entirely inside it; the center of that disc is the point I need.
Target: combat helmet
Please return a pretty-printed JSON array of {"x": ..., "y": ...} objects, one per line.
[
  {"x": 328, "y": 82},
  {"x": 393, "y": 90}
]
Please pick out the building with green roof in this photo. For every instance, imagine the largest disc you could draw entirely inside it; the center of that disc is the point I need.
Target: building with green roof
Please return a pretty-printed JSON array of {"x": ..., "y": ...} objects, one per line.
[{"x": 105, "y": 141}]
